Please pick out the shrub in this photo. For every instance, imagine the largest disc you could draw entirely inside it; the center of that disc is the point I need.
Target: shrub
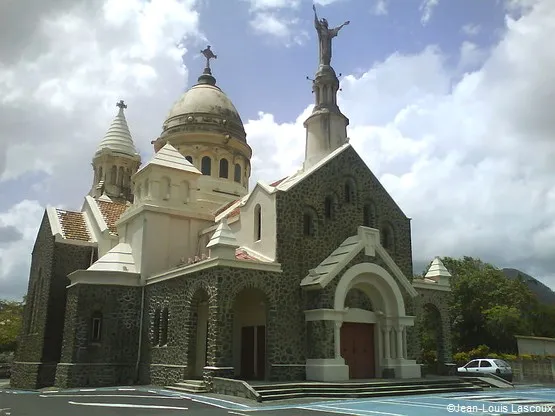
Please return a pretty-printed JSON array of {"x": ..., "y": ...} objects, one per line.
[
  {"x": 508, "y": 357},
  {"x": 461, "y": 358},
  {"x": 493, "y": 355},
  {"x": 479, "y": 352},
  {"x": 525, "y": 356},
  {"x": 429, "y": 357}
]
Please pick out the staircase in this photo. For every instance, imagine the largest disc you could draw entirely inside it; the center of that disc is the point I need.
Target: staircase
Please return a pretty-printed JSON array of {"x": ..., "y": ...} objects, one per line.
[
  {"x": 349, "y": 390},
  {"x": 190, "y": 386}
]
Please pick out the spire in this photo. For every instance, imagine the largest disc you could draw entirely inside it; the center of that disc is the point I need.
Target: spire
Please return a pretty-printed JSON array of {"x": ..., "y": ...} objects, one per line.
[
  {"x": 223, "y": 242},
  {"x": 118, "y": 137},
  {"x": 116, "y": 159},
  {"x": 206, "y": 77},
  {"x": 438, "y": 272},
  {"x": 326, "y": 127}
]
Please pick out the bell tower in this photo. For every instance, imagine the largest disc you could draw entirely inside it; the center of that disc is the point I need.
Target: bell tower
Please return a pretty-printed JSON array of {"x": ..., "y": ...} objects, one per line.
[
  {"x": 326, "y": 127},
  {"x": 115, "y": 160}
]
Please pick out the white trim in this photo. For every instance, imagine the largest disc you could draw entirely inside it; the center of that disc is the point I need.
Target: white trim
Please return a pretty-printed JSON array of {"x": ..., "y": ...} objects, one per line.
[
  {"x": 323, "y": 315},
  {"x": 396, "y": 270},
  {"x": 187, "y": 211},
  {"x": 430, "y": 286},
  {"x": 360, "y": 316},
  {"x": 102, "y": 277},
  {"x": 54, "y": 220},
  {"x": 60, "y": 239},
  {"x": 89, "y": 225},
  {"x": 97, "y": 214},
  {"x": 301, "y": 174},
  {"x": 367, "y": 272},
  {"x": 214, "y": 262}
]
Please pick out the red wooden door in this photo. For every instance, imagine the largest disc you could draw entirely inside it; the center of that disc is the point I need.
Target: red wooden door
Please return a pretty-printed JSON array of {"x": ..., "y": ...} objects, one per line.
[{"x": 357, "y": 348}]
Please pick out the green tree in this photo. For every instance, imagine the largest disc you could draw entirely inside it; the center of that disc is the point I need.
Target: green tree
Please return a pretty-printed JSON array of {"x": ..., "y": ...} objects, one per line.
[
  {"x": 11, "y": 317},
  {"x": 487, "y": 308}
]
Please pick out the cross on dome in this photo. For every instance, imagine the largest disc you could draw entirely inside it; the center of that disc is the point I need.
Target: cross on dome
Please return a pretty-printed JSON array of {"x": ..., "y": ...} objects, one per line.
[{"x": 121, "y": 104}]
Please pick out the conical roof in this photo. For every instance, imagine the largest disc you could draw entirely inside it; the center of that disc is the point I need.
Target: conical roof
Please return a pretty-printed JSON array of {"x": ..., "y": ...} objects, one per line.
[
  {"x": 437, "y": 269},
  {"x": 118, "y": 137}
]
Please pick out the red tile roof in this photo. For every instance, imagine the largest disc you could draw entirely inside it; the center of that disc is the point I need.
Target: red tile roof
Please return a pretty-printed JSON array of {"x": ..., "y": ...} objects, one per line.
[
  {"x": 73, "y": 225},
  {"x": 226, "y": 206},
  {"x": 276, "y": 183},
  {"x": 111, "y": 211},
  {"x": 243, "y": 255}
]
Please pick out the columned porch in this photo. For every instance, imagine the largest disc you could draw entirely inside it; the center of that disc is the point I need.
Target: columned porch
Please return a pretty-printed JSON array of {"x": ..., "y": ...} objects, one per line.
[{"x": 365, "y": 342}]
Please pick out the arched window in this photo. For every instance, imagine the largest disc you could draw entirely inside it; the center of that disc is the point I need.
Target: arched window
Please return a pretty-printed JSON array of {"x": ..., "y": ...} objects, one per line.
[
  {"x": 120, "y": 176},
  {"x": 224, "y": 168},
  {"x": 369, "y": 215},
  {"x": 349, "y": 191},
  {"x": 237, "y": 173},
  {"x": 206, "y": 165},
  {"x": 96, "y": 327},
  {"x": 257, "y": 222},
  {"x": 387, "y": 237},
  {"x": 165, "y": 188},
  {"x": 190, "y": 159},
  {"x": 114, "y": 175},
  {"x": 165, "y": 322},
  {"x": 309, "y": 222},
  {"x": 100, "y": 177},
  {"x": 127, "y": 178},
  {"x": 156, "y": 327},
  {"x": 328, "y": 207}
]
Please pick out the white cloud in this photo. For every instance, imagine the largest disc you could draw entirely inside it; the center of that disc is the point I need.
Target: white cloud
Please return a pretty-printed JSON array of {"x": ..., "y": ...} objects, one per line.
[
  {"x": 471, "y": 29},
  {"x": 427, "y": 7},
  {"x": 379, "y": 8},
  {"x": 15, "y": 256},
  {"x": 66, "y": 65},
  {"x": 467, "y": 155}
]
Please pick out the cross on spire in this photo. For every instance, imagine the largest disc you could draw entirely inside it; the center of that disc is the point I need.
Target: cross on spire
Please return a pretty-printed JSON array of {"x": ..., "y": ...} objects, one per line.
[
  {"x": 208, "y": 54},
  {"x": 121, "y": 104}
]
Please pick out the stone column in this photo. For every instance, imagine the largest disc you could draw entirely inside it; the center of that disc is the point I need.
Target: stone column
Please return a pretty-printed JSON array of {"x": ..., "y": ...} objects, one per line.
[
  {"x": 404, "y": 336},
  {"x": 387, "y": 339},
  {"x": 337, "y": 338},
  {"x": 399, "y": 330}
]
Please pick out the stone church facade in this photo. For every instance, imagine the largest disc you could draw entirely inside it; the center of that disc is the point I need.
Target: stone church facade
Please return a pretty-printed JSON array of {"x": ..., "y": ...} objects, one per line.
[{"x": 175, "y": 270}]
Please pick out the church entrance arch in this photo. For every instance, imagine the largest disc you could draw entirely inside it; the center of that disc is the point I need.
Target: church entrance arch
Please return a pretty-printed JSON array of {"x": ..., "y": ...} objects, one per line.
[
  {"x": 372, "y": 335},
  {"x": 249, "y": 334},
  {"x": 198, "y": 336}
]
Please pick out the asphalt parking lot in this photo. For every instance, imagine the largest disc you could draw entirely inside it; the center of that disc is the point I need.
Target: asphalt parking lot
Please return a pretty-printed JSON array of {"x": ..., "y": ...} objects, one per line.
[{"x": 142, "y": 401}]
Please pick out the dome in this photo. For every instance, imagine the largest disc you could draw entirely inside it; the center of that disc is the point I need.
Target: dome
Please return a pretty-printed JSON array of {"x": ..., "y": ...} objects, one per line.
[
  {"x": 205, "y": 107},
  {"x": 118, "y": 137}
]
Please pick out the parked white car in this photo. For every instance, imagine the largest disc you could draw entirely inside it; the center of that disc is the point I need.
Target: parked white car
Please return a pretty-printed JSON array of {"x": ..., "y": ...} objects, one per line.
[{"x": 488, "y": 365}]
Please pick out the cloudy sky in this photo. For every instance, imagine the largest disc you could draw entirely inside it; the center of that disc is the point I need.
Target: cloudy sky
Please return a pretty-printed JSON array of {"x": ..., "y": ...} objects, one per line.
[{"x": 450, "y": 101}]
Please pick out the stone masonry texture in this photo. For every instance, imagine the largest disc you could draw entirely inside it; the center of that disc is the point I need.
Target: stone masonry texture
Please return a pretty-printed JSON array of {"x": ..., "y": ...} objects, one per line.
[
  {"x": 289, "y": 339},
  {"x": 40, "y": 341}
]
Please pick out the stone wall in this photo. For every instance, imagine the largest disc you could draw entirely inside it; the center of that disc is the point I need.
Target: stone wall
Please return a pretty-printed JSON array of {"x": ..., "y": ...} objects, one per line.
[
  {"x": 298, "y": 253},
  {"x": 539, "y": 370},
  {"x": 39, "y": 345},
  {"x": 112, "y": 359},
  {"x": 220, "y": 285},
  {"x": 236, "y": 388},
  {"x": 439, "y": 301}
]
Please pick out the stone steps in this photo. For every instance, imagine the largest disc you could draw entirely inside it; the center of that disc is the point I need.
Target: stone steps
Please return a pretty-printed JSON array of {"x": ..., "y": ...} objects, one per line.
[
  {"x": 360, "y": 390},
  {"x": 190, "y": 386}
]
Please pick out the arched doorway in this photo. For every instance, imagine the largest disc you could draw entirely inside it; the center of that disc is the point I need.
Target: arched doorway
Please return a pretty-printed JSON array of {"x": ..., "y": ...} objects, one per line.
[
  {"x": 198, "y": 336},
  {"x": 381, "y": 343},
  {"x": 431, "y": 338},
  {"x": 249, "y": 327},
  {"x": 358, "y": 334}
]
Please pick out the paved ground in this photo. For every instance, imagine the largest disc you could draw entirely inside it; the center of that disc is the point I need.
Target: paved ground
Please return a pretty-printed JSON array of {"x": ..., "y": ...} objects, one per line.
[{"x": 532, "y": 400}]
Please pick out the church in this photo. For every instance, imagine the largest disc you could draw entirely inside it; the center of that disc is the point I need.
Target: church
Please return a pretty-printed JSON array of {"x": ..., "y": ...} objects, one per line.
[{"x": 174, "y": 270}]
